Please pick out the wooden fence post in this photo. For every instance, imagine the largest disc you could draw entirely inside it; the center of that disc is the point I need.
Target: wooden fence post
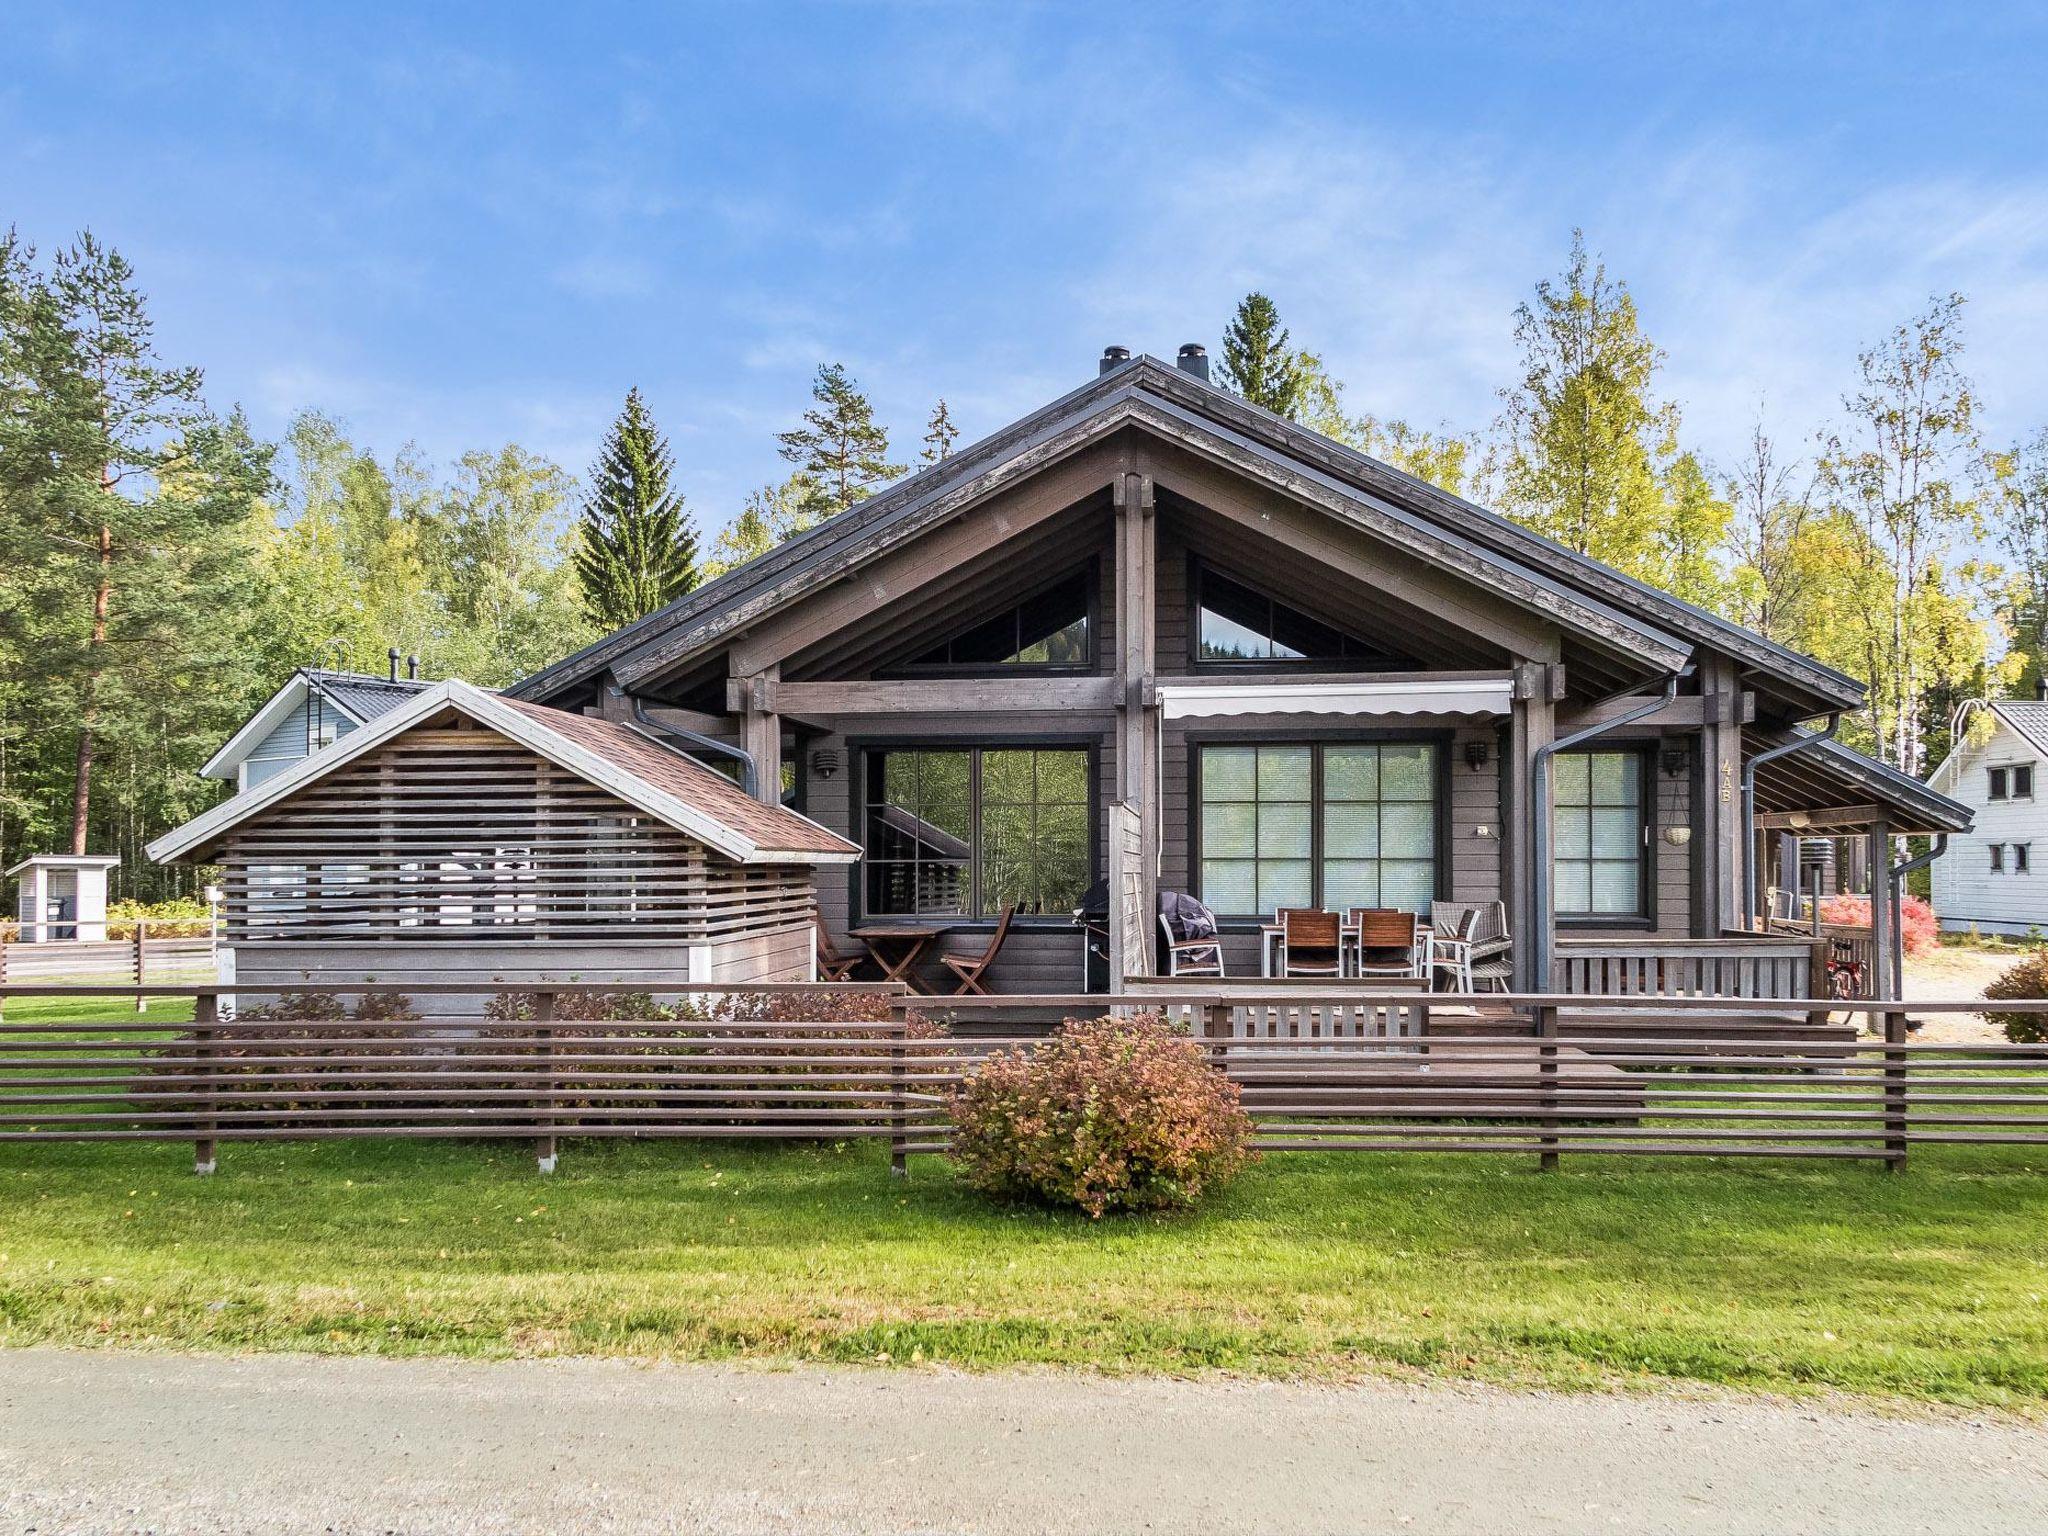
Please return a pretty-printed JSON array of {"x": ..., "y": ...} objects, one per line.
[
  {"x": 544, "y": 1049},
  {"x": 1895, "y": 1092},
  {"x": 141, "y": 962},
  {"x": 1546, "y": 1073},
  {"x": 205, "y": 1015},
  {"x": 899, "y": 1072}
]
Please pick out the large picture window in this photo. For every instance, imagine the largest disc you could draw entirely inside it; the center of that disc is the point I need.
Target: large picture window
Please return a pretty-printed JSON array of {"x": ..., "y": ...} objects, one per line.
[
  {"x": 1600, "y": 844},
  {"x": 965, "y": 832},
  {"x": 1330, "y": 824}
]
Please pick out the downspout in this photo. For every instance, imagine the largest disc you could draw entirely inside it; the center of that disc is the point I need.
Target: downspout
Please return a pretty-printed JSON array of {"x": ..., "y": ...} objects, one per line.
[
  {"x": 1539, "y": 816},
  {"x": 1752, "y": 891},
  {"x": 1895, "y": 890},
  {"x": 701, "y": 742}
]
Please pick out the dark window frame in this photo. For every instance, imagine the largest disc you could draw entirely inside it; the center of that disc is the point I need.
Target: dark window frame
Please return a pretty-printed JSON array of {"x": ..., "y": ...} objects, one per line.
[
  {"x": 1997, "y": 857},
  {"x": 860, "y": 749},
  {"x": 1645, "y": 915},
  {"x": 1241, "y": 922},
  {"x": 2022, "y": 858},
  {"x": 1368, "y": 657},
  {"x": 1996, "y": 788},
  {"x": 2021, "y": 781},
  {"x": 1090, "y": 577}
]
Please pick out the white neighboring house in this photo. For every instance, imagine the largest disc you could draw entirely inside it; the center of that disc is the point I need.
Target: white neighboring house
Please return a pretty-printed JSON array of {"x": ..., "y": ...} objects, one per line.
[
  {"x": 313, "y": 709},
  {"x": 1992, "y": 877}
]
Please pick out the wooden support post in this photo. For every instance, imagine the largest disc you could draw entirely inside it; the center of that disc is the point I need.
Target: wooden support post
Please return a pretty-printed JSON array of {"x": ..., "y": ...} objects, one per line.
[
  {"x": 1895, "y": 1092},
  {"x": 1885, "y": 981},
  {"x": 141, "y": 962},
  {"x": 1532, "y": 723},
  {"x": 1718, "y": 855},
  {"x": 761, "y": 733},
  {"x": 205, "y": 1016},
  {"x": 1136, "y": 679},
  {"x": 1216, "y": 1020},
  {"x": 1546, "y": 1071},
  {"x": 899, "y": 1120},
  {"x": 544, "y": 1048}
]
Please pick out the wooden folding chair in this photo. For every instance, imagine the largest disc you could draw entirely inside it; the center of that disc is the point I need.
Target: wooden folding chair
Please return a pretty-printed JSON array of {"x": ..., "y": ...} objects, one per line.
[
  {"x": 969, "y": 968},
  {"x": 832, "y": 965},
  {"x": 1311, "y": 942}
]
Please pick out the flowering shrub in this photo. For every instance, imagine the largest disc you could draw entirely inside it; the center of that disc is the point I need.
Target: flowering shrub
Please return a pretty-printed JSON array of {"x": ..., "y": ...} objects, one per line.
[
  {"x": 1917, "y": 926},
  {"x": 2027, "y": 980},
  {"x": 1108, "y": 1115}
]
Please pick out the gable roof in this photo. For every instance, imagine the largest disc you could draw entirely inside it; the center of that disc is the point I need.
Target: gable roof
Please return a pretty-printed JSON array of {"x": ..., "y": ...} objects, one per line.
[
  {"x": 2025, "y": 718},
  {"x": 620, "y": 759},
  {"x": 1594, "y": 600},
  {"x": 357, "y": 695}
]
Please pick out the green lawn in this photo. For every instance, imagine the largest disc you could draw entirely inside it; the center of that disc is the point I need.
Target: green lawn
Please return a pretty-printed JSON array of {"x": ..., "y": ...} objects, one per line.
[{"x": 1780, "y": 1276}]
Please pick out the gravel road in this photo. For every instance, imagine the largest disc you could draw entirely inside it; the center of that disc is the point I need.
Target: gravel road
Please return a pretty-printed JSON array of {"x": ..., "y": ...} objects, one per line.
[{"x": 110, "y": 1442}]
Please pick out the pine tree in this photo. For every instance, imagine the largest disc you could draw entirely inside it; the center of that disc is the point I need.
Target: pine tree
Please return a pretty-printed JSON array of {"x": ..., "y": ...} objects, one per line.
[
  {"x": 123, "y": 499},
  {"x": 839, "y": 442},
  {"x": 939, "y": 436},
  {"x": 1258, "y": 362},
  {"x": 637, "y": 545}
]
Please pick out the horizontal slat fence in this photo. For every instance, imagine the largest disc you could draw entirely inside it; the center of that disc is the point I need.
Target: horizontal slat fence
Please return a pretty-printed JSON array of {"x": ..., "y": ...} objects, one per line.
[
  {"x": 547, "y": 1077},
  {"x": 1734, "y": 966}
]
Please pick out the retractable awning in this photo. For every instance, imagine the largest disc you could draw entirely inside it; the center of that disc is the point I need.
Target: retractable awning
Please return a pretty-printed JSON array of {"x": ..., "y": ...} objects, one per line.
[{"x": 1209, "y": 698}]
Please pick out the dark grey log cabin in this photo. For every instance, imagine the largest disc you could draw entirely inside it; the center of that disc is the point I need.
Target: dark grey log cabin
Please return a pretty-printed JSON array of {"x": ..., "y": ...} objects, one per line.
[{"x": 1152, "y": 635}]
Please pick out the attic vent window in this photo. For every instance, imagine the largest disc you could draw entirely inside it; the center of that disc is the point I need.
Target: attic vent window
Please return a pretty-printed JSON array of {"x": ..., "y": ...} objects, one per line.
[
  {"x": 1048, "y": 629},
  {"x": 1238, "y": 625}
]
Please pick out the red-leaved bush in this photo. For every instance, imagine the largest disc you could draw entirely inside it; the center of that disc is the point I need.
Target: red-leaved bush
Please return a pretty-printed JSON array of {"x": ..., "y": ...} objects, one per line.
[
  {"x": 1922, "y": 934},
  {"x": 1108, "y": 1115}
]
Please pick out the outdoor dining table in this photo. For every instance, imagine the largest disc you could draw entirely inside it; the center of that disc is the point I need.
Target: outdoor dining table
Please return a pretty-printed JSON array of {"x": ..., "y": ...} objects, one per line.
[
  {"x": 1269, "y": 945},
  {"x": 897, "y": 947}
]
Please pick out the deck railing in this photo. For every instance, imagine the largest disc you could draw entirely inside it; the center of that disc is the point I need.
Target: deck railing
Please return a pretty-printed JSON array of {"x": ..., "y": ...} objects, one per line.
[
  {"x": 1700, "y": 1076},
  {"x": 1741, "y": 965}
]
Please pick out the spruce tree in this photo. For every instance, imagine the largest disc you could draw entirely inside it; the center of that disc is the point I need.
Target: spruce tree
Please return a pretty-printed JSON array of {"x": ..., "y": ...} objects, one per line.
[
  {"x": 637, "y": 546},
  {"x": 939, "y": 435},
  {"x": 840, "y": 443},
  {"x": 1258, "y": 362}
]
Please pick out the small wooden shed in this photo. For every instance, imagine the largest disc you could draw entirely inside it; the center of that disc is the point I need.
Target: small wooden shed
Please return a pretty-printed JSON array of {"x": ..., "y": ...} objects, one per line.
[
  {"x": 62, "y": 896},
  {"x": 466, "y": 836}
]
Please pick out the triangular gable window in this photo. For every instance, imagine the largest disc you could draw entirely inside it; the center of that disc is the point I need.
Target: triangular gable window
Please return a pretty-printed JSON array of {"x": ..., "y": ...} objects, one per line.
[
  {"x": 1238, "y": 624},
  {"x": 1051, "y": 628}
]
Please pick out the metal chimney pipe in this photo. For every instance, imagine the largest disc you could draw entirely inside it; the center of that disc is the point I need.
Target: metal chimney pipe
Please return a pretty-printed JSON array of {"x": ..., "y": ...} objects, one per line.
[
  {"x": 1194, "y": 358},
  {"x": 392, "y": 655},
  {"x": 412, "y": 669},
  {"x": 1112, "y": 357}
]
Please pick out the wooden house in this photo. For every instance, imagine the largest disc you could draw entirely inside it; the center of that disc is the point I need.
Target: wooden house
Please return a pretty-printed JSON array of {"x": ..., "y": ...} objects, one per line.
[
  {"x": 1154, "y": 636},
  {"x": 311, "y": 709}
]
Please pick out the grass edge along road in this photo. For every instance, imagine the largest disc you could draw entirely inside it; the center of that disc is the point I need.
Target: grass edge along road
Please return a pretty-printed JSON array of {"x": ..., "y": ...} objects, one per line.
[{"x": 1779, "y": 1277}]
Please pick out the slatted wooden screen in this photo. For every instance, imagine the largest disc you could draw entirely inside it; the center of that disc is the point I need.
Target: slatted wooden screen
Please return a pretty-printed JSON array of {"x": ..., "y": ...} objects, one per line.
[{"x": 452, "y": 832}]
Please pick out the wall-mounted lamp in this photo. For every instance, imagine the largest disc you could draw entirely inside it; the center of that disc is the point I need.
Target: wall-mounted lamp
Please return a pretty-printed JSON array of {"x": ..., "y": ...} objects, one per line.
[
  {"x": 1475, "y": 755},
  {"x": 1672, "y": 759},
  {"x": 824, "y": 762}
]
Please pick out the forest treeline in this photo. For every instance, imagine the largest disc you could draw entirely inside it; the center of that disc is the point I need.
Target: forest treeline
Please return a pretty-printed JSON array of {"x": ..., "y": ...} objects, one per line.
[{"x": 167, "y": 568}]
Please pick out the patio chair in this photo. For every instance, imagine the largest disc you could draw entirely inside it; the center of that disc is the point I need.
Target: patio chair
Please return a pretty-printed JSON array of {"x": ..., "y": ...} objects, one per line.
[
  {"x": 833, "y": 965},
  {"x": 1311, "y": 942},
  {"x": 1490, "y": 961},
  {"x": 1190, "y": 957},
  {"x": 1452, "y": 951},
  {"x": 969, "y": 968},
  {"x": 1390, "y": 942}
]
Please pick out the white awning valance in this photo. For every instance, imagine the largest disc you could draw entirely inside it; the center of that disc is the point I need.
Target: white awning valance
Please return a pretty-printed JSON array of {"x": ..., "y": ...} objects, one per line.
[{"x": 1422, "y": 695}]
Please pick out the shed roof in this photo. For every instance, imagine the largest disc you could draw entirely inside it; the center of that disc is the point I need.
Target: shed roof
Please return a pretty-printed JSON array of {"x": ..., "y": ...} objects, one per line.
[
  {"x": 1829, "y": 774},
  {"x": 358, "y": 695},
  {"x": 622, "y": 759}
]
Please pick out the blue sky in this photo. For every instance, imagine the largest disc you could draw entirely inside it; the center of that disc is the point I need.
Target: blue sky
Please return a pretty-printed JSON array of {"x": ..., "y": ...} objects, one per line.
[{"x": 484, "y": 223}]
